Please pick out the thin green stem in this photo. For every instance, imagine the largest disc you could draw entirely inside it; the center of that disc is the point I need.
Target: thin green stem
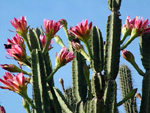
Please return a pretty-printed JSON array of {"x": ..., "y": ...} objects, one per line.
[
  {"x": 48, "y": 40},
  {"x": 25, "y": 96},
  {"x": 123, "y": 38},
  {"x": 85, "y": 55},
  {"x": 25, "y": 37},
  {"x": 88, "y": 49},
  {"x": 128, "y": 42},
  {"x": 66, "y": 32},
  {"x": 137, "y": 68},
  {"x": 26, "y": 106},
  {"x": 53, "y": 72}
]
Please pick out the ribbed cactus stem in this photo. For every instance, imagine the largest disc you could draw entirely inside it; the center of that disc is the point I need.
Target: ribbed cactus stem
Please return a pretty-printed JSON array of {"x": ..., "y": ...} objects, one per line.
[
  {"x": 145, "y": 94},
  {"x": 126, "y": 88}
]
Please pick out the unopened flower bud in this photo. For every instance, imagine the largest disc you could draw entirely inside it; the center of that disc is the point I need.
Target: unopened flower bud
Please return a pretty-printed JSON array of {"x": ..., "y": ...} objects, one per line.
[
  {"x": 10, "y": 67},
  {"x": 59, "y": 41},
  {"x": 62, "y": 84},
  {"x": 63, "y": 22},
  {"x": 76, "y": 44},
  {"x": 128, "y": 55}
]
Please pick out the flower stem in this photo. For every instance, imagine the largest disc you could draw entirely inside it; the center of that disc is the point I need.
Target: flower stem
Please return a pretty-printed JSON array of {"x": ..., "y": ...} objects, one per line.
[
  {"x": 48, "y": 40},
  {"x": 26, "y": 106},
  {"x": 85, "y": 55},
  {"x": 123, "y": 37},
  {"x": 27, "y": 99},
  {"x": 137, "y": 68},
  {"x": 88, "y": 50},
  {"x": 66, "y": 32},
  {"x": 25, "y": 37},
  {"x": 53, "y": 72},
  {"x": 132, "y": 37}
]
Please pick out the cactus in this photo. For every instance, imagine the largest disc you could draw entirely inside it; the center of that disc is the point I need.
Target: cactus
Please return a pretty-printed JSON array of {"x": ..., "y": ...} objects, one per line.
[
  {"x": 69, "y": 98},
  {"x": 96, "y": 44},
  {"x": 112, "y": 51},
  {"x": 91, "y": 56},
  {"x": 126, "y": 87},
  {"x": 144, "y": 41}
]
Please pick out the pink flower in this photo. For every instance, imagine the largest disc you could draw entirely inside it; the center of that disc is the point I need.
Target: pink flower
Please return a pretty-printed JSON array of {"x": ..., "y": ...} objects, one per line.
[
  {"x": 16, "y": 51},
  {"x": 2, "y": 110},
  {"x": 127, "y": 27},
  {"x": 127, "y": 55},
  {"x": 43, "y": 41},
  {"x": 51, "y": 27},
  {"x": 64, "y": 57},
  {"x": 141, "y": 26},
  {"x": 14, "y": 83},
  {"x": 20, "y": 25},
  {"x": 18, "y": 40},
  {"x": 81, "y": 31},
  {"x": 136, "y": 26}
]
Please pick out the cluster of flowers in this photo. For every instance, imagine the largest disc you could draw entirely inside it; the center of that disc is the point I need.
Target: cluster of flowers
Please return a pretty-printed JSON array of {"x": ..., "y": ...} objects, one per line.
[{"x": 16, "y": 49}]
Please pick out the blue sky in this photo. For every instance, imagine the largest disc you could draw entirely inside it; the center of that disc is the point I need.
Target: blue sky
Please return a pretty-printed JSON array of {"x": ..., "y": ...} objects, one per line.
[{"x": 73, "y": 11}]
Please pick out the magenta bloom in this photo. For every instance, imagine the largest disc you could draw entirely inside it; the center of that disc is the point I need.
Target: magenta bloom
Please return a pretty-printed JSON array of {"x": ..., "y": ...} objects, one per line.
[
  {"x": 51, "y": 27},
  {"x": 16, "y": 52},
  {"x": 64, "y": 57},
  {"x": 43, "y": 41},
  {"x": 81, "y": 31},
  {"x": 2, "y": 110},
  {"x": 127, "y": 27},
  {"x": 14, "y": 83},
  {"x": 18, "y": 40},
  {"x": 20, "y": 25},
  {"x": 141, "y": 26}
]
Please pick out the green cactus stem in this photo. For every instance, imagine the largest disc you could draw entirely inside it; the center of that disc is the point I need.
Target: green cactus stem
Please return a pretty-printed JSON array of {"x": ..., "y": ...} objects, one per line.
[
  {"x": 96, "y": 46},
  {"x": 97, "y": 85},
  {"x": 127, "y": 89},
  {"x": 145, "y": 94},
  {"x": 110, "y": 97},
  {"x": 78, "y": 78},
  {"x": 114, "y": 5},
  {"x": 144, "y": 42},
  {"x": 63, "y": 103},
  {"x": 112, "y": 51},
  {"x": 69, "y": 98},
  {"x": 40, "y": 91}
]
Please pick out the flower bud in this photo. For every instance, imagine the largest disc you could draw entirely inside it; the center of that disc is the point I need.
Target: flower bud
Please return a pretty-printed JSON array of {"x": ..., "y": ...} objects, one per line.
[
  {"x": 10, "y": 67},
  {"x": 59, "y": 41},
  {"x": 63, "y": 22},
  {"x": 76, "y": 44},
  {"x": 128, "y": 56}
]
